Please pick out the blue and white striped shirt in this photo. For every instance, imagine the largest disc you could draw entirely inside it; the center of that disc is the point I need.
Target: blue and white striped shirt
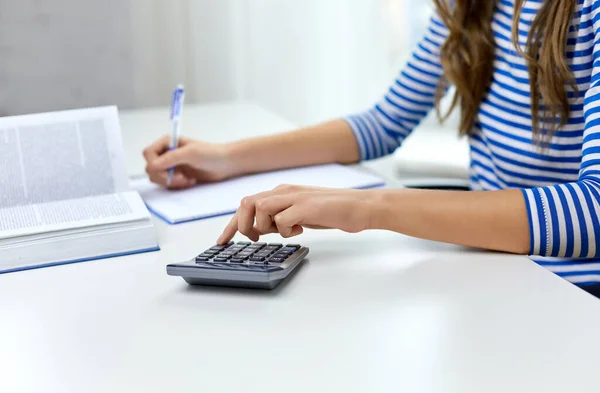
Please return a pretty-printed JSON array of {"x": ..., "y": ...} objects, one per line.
[{"x": 561, "y": 184}]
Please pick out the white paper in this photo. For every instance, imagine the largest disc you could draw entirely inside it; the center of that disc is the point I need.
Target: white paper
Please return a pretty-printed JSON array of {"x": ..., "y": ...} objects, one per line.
[
  {"x": 220, "y": 198},
  {"x": 60, "y": 155},
  {"x": 71, "y": 214}
]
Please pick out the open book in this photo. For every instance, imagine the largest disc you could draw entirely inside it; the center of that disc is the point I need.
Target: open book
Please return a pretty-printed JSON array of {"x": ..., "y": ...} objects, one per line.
[
  {"x": 211, "y": 200},
  {"x": 64, "y": 191}
]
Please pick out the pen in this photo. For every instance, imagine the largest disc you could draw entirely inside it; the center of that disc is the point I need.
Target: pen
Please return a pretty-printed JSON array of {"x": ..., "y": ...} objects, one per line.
[{"x": 176, "y": 108}]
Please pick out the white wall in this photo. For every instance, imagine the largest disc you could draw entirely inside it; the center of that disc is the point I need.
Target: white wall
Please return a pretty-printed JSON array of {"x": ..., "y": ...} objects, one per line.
[
  {"x": 160, "y": 44},
  {"x": 68, "y": 53},
  {"x": 55, "y": 56},
  {"x": 315, "y": 59},
  {"x": 307, "y": 60},
  {"x": 310, "y": 60}
]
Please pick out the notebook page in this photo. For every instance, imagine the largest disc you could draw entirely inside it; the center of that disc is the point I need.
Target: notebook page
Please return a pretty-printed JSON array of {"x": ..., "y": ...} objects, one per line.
[
  {"x": 220, "y": 198},
  {"x": 61, "y": 155},
  {"x": 71, "y": 214}
]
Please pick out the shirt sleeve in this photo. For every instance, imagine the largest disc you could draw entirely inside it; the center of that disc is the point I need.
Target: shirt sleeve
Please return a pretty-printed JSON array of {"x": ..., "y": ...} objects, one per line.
[
  {"x": 564, "y": 218},
  {"x": 383, "y": 128}
]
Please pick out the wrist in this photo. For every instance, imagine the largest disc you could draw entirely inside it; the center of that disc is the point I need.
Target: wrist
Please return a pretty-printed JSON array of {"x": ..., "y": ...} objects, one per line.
[
  {"x": 233, "y": 154},
  {"x": 378, "y": 208}
]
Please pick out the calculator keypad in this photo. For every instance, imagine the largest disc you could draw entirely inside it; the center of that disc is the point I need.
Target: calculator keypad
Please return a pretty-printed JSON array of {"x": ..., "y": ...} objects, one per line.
[{"x": 246, "y": 256}]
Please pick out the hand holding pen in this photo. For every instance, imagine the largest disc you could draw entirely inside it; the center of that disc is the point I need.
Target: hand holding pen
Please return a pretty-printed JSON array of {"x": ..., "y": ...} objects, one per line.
[{"x": 177, "y": 162}]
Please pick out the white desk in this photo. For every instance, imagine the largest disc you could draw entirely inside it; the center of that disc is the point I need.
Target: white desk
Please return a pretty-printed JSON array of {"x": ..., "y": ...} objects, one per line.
[{"x": 372, "y": 312}]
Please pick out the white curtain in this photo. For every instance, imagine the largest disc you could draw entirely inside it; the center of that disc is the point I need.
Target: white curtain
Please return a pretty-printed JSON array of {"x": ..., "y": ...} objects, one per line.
[
  {"x": 306, "y": 60},
  {"x": 69, "y": 54},
  {"x": 313, "y": 59}
]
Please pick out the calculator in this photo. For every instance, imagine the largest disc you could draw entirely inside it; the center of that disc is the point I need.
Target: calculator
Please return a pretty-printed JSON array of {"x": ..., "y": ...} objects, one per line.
[{"x": 241, "y": 264}]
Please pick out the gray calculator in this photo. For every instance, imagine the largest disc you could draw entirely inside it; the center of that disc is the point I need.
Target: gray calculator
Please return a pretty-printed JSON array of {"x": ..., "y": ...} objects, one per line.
[{"x": 241, "y": 264}]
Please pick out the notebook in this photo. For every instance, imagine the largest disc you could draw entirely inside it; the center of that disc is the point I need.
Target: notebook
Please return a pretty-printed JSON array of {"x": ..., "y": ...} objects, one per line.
[
  {"x": 65, "y": 195},
  {"x": 216, "y": 199}
]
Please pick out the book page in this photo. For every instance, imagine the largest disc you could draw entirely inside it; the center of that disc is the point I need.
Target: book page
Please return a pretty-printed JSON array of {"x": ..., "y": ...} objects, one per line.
[
  {"x": 70, "y": 214},
  {"x": 208, "y": 200},
  {"x": 61, "y": 155}
]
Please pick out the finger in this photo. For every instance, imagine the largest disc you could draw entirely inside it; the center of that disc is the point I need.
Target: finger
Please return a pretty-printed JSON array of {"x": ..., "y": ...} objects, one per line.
[
  {"x": 289, "y": 221},
  {"x": 268, "y": 207},
  {"x": 152, "y": 152},
  {"x": 248, "y": 211},
  {"x": 179, "y": 180},
  {"x": 229, "y": 231},
  {"x": 290, "y": 232},
  {"x": 245, "y": 215},
  {"x": 266, "y": 231},
  {"x": 172, "y": 158}
]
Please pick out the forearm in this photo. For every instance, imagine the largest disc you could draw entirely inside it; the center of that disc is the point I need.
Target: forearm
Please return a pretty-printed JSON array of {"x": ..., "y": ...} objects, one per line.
[
  {"x": 495, "y": 220},
  {"x": 329, "y": 142}
]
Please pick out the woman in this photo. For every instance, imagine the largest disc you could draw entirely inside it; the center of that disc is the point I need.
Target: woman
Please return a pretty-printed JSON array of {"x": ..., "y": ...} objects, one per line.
[{"x": 527, "y": 77}]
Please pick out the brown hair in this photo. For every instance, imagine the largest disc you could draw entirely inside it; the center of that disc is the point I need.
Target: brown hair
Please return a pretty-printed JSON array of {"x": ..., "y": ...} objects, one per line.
[{"x": 468, "y": 60}]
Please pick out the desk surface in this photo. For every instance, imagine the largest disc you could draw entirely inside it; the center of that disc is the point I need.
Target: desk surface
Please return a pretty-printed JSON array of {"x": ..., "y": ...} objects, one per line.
[{"x": 370, "y": 312}]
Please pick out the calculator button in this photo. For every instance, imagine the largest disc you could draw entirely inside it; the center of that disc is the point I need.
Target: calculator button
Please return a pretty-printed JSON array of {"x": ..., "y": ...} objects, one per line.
[
  {"x": 276, "y": 260},
  {"x": 237, "y": 260},
  {"x": 220, "y": 259},
  {"x": 287, "y": 250},
  {"x": 296, "y": 246},
  {"x": 244, "y": 243},
  {"x": 226, "y": 254},
  {"x": 202, "y": 259},
  {"x": 275, "y": 244},
  {"x": 281, "y": 255},
  {"x": 217, "y": 248},
  {"x": 205, "y": 255},
  {"x": 259, "y": 244},
  {"x": 257, "y": 258},
  {"x": 210, "y": 252}
]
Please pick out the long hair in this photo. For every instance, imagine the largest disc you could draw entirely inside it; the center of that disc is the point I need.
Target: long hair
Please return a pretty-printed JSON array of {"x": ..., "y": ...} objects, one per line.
[{"x": 468, "y": 60}]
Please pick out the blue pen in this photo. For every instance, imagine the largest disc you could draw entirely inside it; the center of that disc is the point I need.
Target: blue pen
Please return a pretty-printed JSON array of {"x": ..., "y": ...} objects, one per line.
[{"x": 176, "y": 109}]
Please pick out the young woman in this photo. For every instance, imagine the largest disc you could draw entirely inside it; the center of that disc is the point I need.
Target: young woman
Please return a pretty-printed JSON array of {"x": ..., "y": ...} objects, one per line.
[{"x": 527, "y": 78}]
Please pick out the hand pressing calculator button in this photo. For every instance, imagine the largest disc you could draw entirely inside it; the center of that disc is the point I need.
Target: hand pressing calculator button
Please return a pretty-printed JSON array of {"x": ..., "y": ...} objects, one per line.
[{"x": 242, "y": 264}]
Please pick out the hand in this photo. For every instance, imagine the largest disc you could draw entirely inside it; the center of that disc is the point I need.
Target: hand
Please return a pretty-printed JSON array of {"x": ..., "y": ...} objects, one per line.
[
  {"x": 288, "y": 209},
  {"x": 194, "y": 161}
]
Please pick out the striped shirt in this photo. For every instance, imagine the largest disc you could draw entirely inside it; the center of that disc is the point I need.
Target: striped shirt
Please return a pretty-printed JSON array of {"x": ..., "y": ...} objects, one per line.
[{"x": 561, "y": 184}]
